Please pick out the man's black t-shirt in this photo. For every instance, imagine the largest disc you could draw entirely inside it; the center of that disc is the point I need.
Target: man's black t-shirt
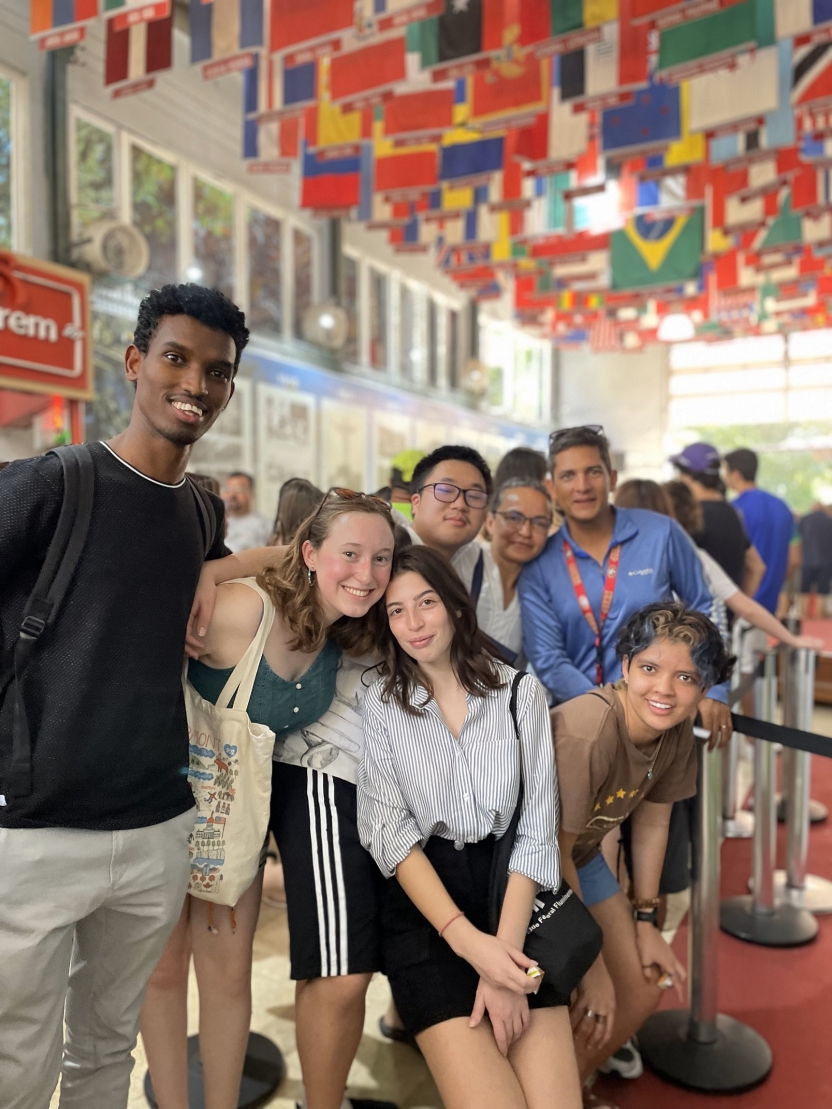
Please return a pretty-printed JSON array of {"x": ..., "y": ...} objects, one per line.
[
  {"x": 103, "y": 688},
  {"x": 724, "y": 538}
]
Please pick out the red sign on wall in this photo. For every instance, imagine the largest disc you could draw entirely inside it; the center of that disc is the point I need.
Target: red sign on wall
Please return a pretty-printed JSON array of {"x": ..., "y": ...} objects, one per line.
[{"x": 45, "y": 331}]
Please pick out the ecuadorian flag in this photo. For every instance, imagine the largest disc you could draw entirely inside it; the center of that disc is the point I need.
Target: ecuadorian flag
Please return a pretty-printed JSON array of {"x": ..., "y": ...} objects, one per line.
[{"x": 657, "y": 251}]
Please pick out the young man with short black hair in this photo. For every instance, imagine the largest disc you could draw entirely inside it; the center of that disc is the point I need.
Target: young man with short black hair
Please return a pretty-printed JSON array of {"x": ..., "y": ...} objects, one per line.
[
  {"x": 246, "y": 528},
  {"x": 723, "y": 533},
  {"x": 95, "y": 858},
  {"x": 768, "y": 521},
  {"x": 602, "y": 565}
]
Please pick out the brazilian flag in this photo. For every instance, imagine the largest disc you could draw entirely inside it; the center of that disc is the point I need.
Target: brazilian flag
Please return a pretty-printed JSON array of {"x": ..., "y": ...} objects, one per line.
[{"x": 657, "y": 251}]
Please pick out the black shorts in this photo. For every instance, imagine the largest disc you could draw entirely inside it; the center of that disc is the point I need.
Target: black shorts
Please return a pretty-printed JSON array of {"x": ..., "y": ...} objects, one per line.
[
  {"x": 333, "y": 886},
  {"x": 816, "y": 579},
  {"x": 431, "y": 984}
]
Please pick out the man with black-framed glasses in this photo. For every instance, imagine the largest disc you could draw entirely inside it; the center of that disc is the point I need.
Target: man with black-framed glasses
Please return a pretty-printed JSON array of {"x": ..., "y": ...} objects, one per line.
[{"x": 450, "y": 490}]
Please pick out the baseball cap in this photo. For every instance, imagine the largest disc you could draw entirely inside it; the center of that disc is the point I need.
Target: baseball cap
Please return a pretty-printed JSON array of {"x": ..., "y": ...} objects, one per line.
[{"x": 698, "y": 458}]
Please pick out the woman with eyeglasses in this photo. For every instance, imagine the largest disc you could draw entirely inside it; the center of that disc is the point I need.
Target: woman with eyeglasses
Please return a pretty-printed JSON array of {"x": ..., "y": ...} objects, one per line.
[
  {"x": 517, "y": 526},
  {"x": 323, "y": 588},
  {"x": 437, "y": 787}
]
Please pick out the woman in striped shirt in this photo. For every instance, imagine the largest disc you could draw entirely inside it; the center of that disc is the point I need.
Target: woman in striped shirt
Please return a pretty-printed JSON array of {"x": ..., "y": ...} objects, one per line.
[{"x": 437, "y": 787}]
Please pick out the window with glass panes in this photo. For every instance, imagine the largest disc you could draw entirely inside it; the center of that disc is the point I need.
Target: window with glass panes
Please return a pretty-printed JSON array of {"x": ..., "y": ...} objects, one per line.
[
  {"x": 378, "y": 320},
  {"x": 153, "y": 211},
  {"x": 94, "y": 174},
  {"x": 213, "y": 227},
  {"x": 302, "y": 267},
  {"x": 7, "y": 168},
  {"x": 407, "y": 352},
  {"x": 265, "y": 272},
  {"x": 349, "y": 301}
]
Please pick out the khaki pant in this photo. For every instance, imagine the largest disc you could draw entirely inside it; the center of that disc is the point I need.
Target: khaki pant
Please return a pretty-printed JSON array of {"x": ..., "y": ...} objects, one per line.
[{"x": 84, "y": 917}]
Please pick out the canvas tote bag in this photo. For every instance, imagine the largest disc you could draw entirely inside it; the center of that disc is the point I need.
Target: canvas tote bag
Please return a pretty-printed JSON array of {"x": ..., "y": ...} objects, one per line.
[{"x": 230, "y": 771}]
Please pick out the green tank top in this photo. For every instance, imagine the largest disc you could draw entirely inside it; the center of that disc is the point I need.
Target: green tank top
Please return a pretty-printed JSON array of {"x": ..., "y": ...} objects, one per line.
[{"x": 280, "y": 705}]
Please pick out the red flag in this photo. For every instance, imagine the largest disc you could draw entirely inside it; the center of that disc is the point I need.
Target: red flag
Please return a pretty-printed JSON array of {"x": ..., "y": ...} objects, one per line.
[
  {"x": 296, "y": 21},
  {"x": 137, "y": 50}
]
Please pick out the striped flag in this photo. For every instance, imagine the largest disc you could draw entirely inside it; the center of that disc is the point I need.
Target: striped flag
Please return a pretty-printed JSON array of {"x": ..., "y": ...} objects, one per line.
[
  {"x": 603, "y": 335},
  {"x": 139, "y": 42},
  {"x": 223, "y": 28},
  {"x": 47, "y": 16},
  {"x": 276, "y": 136}
]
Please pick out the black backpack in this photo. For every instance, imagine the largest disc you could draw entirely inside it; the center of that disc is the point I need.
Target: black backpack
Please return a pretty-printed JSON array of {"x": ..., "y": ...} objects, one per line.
[{"x": 45, "y": 600}]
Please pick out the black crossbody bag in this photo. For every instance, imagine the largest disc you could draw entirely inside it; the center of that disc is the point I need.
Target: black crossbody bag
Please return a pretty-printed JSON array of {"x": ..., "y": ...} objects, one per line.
[{"x": 562, "y": 937}]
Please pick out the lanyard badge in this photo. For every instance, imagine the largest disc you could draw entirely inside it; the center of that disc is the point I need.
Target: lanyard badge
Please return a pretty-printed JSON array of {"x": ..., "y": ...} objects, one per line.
[{"x": 597, "y": 626}]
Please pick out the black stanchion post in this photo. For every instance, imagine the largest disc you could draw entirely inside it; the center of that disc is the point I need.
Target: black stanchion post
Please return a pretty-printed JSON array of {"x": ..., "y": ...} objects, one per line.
[
  {"x": 702, "y": 1048},
  {"x": 794, "y": 886},
  {"x": 756, "y": 918}
]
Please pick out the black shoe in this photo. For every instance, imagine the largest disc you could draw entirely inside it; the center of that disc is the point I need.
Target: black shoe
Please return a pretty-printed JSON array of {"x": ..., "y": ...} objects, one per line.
[{"x": 397, "y": 1035}]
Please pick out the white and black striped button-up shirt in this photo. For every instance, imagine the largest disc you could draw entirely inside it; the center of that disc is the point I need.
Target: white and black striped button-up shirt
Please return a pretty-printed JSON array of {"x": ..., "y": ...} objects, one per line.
[{"x": 416, "y": 781}]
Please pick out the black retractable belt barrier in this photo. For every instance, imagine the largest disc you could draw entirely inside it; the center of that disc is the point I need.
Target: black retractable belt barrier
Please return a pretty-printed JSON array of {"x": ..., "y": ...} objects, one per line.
[{"x": 756, "y": 918}]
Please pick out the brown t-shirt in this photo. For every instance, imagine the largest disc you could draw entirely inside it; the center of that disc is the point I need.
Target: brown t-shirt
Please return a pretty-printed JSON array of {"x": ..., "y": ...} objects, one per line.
[{"x": 603, "y": 776}]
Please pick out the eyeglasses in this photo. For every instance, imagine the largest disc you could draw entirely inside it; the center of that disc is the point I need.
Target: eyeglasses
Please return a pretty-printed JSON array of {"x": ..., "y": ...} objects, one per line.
[
  {"x": 562, "y": 432},
  {"x": 349, "y": 495},
  {"x": 516, "y": 520},
  {"x": 447, "y": 494}
]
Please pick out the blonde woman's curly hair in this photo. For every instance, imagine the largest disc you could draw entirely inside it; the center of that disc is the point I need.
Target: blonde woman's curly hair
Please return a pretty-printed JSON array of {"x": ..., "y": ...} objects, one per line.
[{"x": 297, "y": 599}]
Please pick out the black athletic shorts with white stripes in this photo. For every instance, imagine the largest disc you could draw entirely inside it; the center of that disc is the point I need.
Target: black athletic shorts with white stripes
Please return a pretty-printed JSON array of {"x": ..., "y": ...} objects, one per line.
[{"x": 333, "y": 886}]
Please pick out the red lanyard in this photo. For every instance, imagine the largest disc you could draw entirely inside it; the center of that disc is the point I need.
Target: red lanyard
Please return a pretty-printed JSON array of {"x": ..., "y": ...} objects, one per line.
[{"x": 583, "y": 601}]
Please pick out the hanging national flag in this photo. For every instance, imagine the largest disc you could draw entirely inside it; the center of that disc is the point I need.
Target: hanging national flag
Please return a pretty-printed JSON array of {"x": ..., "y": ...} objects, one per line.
[
  {"x": 375, "y": 16},
  {"x": 463, "y": 34},
  {"x": 812, "y": 73},
  {"x": 715, "y": 40},
  {"x": 603, "y": 335},
  {"x": 329, "y": 125},
  {"x": 466, "y": 154},
  {"x": 508, "y": 91},
  {"x": 736, "y": 96},
  {"x": 224, "y": 28},
  {"x": 557, "y": 137},
  {"x": 652, "y": 252},
  {"x": 812, "y": 189},
  {"x": 46, "y": 16},
  {"x": 294, "y": 22},
  {"x": 138, "y": 45},
  {"x": 652, "y": 119},
  {"x": 569, "y": 16},
  {"x": 785, "y": 229},
  {"x": 801, "y": 17},
  {"x": 771, "y": 130},
  {"x": 270, "y": 133},
  {"x": 609, "y": 67},
  {"x": 370, "y": 69},
  {"x": 329, "y": 183},
  {"x": 428, "y": 112}
]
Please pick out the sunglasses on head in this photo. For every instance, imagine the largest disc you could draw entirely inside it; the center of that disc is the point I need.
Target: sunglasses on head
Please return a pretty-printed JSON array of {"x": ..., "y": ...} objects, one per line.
[
  {"x": 562, "y": 432},
  {"x": 350, "y": 495}
]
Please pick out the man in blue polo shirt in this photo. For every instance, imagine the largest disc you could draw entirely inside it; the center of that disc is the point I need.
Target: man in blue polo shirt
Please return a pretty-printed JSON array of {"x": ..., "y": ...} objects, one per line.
[
  {"x": 768, "y": 521},
  {"x": 600, "y": 567}
]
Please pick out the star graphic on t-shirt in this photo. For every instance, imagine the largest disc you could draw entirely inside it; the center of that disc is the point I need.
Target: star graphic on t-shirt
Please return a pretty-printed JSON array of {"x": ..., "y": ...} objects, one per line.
[
  {"x": 621, "y": 793},
  {"x": 597, "y": 807},
  {"x": 634, "y": 793},
  {"x": 610, "y": 799}
]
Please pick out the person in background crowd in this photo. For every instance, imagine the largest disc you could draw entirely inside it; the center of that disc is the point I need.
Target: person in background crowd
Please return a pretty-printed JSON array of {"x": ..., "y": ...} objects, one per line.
[
  {"x": 723, "y": 534},
  {"x": 816, "y": 539},
  {"x": 95, "y": 858},
  {"x": 642, "y": 493},
  {"x": 297, "y": 500},
  {"x": 770, "y": 526},
  {"x": 627, "y": 750},
  {"x": 686, "y": 510},
  {"x": 401, "y": 475},
  {"x": 522, "y": 462},
  {"x": 517, "y": 526},
  {"x": 768, "y": 521},
  {"x": 322, "y": 587},
  {"x": 438, "y": 783},
  {"x": 602, "y": 565},
  {"x": 246, "y": 528}
]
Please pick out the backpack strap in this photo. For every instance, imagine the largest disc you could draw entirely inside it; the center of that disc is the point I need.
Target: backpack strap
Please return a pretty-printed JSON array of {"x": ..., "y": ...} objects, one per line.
[
  {"x": 45, "y": 600},
  {"x": 512, "y": 701},
  {"x": 476, "y": 580},
  {"x": 207, "y": 513}
]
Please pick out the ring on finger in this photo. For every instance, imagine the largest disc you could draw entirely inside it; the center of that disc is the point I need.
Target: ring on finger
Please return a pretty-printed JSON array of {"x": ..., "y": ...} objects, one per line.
[
  {"x": 601, "y": 1018},
  {"x": 589, "y": 1013}
]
